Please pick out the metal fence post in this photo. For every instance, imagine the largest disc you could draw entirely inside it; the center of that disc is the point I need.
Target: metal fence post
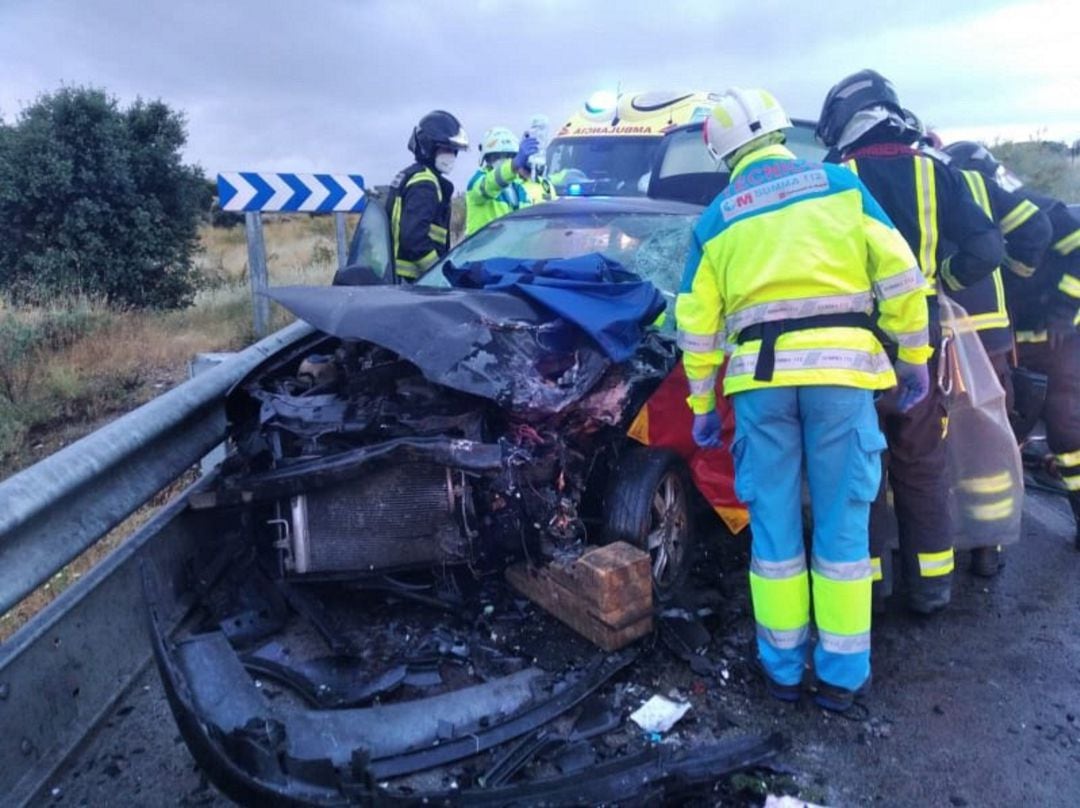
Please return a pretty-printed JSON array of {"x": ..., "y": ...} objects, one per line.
[
  {"x": 260, "y": 281},
  {"x": 342, "y": 246}
]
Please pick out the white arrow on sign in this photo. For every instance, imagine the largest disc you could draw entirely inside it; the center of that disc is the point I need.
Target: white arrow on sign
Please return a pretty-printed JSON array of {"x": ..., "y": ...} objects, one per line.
[{"x": 319, "y": 193}]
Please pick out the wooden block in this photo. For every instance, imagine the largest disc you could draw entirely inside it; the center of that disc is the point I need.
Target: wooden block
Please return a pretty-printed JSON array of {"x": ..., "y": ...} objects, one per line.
[
  {"x": 558, "y": 589},
  {"x": 614, "y": 577}
]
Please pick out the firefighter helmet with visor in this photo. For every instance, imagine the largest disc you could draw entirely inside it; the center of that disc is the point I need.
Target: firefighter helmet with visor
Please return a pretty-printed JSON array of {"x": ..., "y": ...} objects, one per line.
[
  {"x": 437, "y": 130},
  {"x": 867, "y": 88}
]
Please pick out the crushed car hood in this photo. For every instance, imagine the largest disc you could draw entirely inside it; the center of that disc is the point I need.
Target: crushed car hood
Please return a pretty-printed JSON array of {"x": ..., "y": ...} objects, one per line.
[{"x": 490, "y": 344}]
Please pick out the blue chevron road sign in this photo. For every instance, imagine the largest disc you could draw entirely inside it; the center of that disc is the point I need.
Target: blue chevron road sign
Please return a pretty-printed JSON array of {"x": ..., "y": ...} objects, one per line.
[{"x": 307, "y": 193}]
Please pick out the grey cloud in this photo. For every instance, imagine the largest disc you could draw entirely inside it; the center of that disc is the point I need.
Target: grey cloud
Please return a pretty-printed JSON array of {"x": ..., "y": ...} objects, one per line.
[{"x": 337, "y": 85}]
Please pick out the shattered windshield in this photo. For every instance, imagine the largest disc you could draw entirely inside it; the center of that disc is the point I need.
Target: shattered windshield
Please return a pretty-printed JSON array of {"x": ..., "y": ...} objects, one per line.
[{"x": 652, "y": 245}]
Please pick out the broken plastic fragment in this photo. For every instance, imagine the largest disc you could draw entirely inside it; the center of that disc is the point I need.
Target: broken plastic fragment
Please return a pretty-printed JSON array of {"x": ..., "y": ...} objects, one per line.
[{"x": 659, "y": 714}]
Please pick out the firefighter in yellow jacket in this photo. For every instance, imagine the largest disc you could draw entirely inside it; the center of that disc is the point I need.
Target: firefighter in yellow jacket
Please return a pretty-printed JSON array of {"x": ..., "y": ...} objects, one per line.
[{"x": 785, "y": 268}]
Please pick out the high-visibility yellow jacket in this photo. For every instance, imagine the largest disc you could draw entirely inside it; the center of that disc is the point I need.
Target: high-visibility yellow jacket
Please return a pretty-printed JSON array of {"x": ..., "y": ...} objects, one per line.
[
  {"x": 793, "y": 239},
  {"x": 493, "y": 192},
  {"x": 539, "y": 190}
]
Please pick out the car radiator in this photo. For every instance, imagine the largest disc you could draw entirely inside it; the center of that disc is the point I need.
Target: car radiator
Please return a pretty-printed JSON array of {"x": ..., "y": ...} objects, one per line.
[{"x": 395, "y": 517}]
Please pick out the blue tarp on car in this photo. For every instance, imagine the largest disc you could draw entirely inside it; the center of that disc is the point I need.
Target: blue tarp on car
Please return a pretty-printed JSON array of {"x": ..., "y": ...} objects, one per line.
[{"x": 611, "y": 304}]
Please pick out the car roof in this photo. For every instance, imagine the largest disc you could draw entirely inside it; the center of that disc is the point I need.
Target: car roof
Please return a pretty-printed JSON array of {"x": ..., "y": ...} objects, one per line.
[{"x": 569, "y": 205}]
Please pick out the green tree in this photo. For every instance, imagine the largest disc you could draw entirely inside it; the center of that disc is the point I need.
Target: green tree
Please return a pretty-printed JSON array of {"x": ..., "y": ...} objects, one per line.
[
  {"x": 95, "y": 200},
  {"x": 1048, "y": 167}
]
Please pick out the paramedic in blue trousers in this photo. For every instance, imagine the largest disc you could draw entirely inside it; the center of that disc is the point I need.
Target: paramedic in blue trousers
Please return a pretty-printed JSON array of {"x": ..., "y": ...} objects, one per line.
[{"x": 784, "y": 270}]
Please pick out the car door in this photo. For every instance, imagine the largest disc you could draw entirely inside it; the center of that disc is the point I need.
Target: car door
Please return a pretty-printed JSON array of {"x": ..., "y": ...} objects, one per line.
[{"x": 370, "y": 260}]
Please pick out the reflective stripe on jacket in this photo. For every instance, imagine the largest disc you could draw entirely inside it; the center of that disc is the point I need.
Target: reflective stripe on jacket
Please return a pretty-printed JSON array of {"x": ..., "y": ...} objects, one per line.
[
  {"x": 1055, "y": 287},
  {"x": 539, "y": 190},
  {"x": 493, "y": 192},
  {"x": 419, "y": 208},
  {"x": 790, "y": 239},
  {"x": 929, "y": 204},
  {"x": 1027, "y": 233}
]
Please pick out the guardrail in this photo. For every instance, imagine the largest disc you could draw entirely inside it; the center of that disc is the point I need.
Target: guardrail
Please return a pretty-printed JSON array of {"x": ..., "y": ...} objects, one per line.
[
  {"x": 55, "y": 509},
  {"x": 61, "y": 673}
]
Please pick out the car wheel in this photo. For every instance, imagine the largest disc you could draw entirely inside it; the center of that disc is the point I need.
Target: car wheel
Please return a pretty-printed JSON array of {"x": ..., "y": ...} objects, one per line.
[{"x": 648, "y": 505}]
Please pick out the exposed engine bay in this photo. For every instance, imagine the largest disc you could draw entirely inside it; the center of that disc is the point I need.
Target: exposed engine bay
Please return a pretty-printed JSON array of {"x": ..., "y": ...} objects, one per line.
[
  {"x": 360, "y": 635},
  {"x": 353, "y": 460}
]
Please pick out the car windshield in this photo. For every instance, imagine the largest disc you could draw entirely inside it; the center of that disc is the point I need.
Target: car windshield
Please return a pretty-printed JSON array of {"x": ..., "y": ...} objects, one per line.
[
  {"x": 652, "y": 245},
  {"x": 612, "y": 166},
  {"x": 801, "y": 141},
  {"x": 685, "y": 154}
]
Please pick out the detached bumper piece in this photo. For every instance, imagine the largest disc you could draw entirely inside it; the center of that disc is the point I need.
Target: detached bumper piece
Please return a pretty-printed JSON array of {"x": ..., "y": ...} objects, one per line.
[{"x": 277, "y": 752}]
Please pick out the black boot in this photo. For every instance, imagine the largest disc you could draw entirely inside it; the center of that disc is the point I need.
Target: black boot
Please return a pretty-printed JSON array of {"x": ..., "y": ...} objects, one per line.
[
  {"x": 928, "y": 595},
  {"x": 986, "y": 562}
]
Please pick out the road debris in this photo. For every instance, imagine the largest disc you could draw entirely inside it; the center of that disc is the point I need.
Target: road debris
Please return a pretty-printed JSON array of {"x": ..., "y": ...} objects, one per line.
[{"x": 659, "y": 714}]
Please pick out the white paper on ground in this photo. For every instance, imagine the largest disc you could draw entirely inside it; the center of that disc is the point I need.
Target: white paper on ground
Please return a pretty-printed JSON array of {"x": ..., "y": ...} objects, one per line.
[
  {"x": 659, "y": 714},
  {"x": 773, "y": 801}
]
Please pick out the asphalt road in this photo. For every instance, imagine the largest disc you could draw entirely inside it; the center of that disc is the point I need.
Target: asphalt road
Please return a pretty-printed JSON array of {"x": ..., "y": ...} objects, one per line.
[{"x": 977, "y": 706}]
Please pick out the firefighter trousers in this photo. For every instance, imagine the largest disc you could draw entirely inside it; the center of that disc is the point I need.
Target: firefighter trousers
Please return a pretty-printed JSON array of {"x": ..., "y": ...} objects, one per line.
[
  {"x": 1061, "y": 412},
  {"x": 833, "y": 433},
  {"x": 916, "y": 463}
]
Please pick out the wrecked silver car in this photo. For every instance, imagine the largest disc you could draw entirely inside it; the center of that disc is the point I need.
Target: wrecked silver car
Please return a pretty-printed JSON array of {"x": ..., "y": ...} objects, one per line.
[{"x": 356, "y": 641}]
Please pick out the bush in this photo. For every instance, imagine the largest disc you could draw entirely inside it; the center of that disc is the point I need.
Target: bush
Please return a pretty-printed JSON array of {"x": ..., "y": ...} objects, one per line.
[
  {"x": 29, "y": 335},
  {"x": 94, "y": 200},
  {"x": 1047, "y": 167}
]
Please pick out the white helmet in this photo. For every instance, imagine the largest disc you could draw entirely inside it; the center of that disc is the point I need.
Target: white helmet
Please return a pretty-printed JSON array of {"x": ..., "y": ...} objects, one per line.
[
  {"x": 741, "y": 116},
  {"x": 498, "y": 140}
]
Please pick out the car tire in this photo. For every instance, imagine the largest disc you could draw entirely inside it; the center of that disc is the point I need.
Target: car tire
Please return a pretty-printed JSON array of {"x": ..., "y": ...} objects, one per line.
[{"x": 649, "y": 506}]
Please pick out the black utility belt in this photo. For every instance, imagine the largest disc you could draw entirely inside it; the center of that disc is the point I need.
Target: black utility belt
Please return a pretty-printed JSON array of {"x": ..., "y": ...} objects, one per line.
[{"x": 769, "y": 332}]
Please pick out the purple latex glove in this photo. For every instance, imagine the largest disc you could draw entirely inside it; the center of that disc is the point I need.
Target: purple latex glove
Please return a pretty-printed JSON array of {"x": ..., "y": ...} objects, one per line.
[
  {"x": 913, "y": 382},
  {"x": 529, "y": 147},
  {"x": 706, "y": 430}
]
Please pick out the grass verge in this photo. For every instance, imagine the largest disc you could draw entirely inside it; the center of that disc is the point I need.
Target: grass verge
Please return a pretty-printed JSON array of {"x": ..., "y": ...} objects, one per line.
[{"x": 68, "y": 369}]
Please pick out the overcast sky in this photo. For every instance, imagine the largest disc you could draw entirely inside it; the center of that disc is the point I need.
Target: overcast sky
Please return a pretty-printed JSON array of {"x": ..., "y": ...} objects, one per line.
[{"x": 337, "y": 85}]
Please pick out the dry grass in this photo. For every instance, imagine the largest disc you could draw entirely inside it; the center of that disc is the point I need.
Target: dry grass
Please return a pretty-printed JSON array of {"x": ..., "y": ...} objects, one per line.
[
  {"x": 124, "y": 359},
  {"x": 294, "y": 244},
  {"x": 119, "y": 360}
]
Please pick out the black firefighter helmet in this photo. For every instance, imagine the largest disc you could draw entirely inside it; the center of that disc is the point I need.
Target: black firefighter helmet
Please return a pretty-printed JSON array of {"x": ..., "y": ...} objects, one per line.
[
  {"x": 867, "y": 88},
  {"x": 968, "y": 154},
  {"x": 437, "y": 129}
]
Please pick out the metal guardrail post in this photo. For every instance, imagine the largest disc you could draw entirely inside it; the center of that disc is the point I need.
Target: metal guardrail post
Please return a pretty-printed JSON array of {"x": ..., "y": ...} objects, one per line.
[
  {"x": 260, "y": 280},
  {"x": 342, "y": 243}
]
